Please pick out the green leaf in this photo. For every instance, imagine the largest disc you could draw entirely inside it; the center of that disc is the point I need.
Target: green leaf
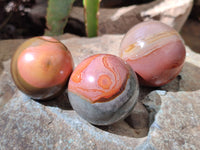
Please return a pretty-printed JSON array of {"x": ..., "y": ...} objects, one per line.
[
  {"x": 57, "y": 16},
  {"x": 91, "y": 8}
]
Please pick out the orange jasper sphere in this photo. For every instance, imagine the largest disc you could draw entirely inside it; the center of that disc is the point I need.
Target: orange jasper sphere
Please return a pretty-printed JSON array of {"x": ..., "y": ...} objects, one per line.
[
  {"x": 155, "y": 52},
  {"x": 41, "y": 67}
]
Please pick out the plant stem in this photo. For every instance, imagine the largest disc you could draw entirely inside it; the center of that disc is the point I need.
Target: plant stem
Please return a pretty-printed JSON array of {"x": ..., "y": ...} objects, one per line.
[
  {"x": 91, "y": 12},
  {"x": 57, "y": 16}
]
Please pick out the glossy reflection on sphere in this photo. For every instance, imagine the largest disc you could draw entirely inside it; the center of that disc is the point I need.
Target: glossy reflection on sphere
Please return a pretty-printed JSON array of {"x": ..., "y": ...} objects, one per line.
[
  {"x": 103, "y": 89},
  {"x": 41, "y": 67},
  {"x": 155, "y": 52}
]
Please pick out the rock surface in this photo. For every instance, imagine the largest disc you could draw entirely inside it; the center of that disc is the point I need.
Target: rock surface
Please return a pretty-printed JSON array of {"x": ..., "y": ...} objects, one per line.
[
  {"x": 120, "y": 20},
  {"x": 174, "y": 110},
  {"x": 190, "y": 33},
  {"x": 173, "y": 13},
  {"x": 139, "y": 117}
]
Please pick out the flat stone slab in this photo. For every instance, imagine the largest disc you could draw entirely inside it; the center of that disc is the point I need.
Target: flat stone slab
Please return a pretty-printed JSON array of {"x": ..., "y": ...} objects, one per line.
[{"x": 174, "y": 109}]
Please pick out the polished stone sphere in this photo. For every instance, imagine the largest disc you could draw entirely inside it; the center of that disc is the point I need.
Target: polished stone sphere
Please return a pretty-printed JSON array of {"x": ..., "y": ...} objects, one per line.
[
  {"x": 41, "y": 66},
  {"x": 103, "y": 89},
  {"x": 154, "y": 51}
]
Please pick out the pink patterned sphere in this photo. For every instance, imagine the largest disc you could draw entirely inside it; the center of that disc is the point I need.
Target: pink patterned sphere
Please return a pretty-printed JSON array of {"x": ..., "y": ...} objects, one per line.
[
  {"x": 103, "y": 89},
  {"x": 154, "y": 51},
  {"x": 41, "y": 67}
]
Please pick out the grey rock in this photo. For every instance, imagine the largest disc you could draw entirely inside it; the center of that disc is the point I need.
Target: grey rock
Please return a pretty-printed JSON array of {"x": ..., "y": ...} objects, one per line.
[
  {"x": 173, "y": 13},
  {"x": 85, "y": 47},
  {"x": 122, "y": 128},
  {"x": 173, "y": 110},
  {"x": 176, "y": 125},
  {"x": 27, "y": 124},
  {"x": 152, "y": 102},
  {"x": 7, "y": 87}
]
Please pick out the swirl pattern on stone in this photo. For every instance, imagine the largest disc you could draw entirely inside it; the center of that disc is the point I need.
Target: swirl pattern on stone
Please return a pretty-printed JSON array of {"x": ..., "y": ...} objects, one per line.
[{"x": 103, "y": 89}]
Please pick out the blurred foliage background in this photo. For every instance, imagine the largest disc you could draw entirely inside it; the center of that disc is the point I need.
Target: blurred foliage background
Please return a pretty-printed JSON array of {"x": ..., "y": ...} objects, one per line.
[{"x": 16, "y": 21}]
